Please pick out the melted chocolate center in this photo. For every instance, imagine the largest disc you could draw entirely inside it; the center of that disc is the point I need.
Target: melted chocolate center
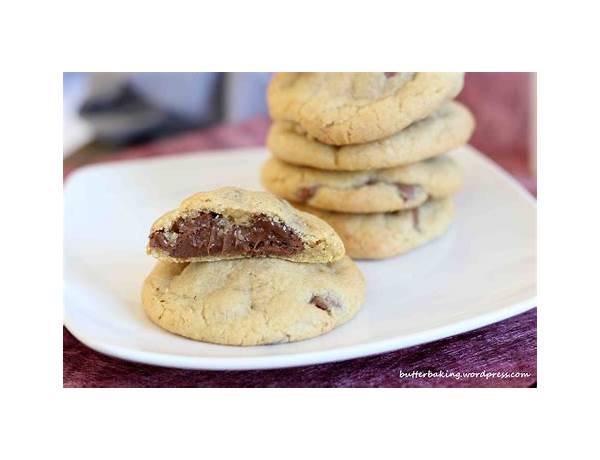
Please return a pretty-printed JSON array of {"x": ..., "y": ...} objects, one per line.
[{"x": 210, "y": 233}]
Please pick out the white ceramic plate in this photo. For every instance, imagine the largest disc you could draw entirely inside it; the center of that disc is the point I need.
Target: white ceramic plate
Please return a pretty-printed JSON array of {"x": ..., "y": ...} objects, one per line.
[{"x": 481, "y": 271}]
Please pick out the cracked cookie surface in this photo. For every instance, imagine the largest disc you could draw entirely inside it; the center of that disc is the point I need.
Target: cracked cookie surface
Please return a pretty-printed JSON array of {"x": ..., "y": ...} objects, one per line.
[
  {"x": 449, "y": 127},
  {"x": 353, "y": 108},
  {"x": 372, "y": 191},
  {"x": 252, "y": 301},
  {"x": 378, "y": 236},
  {"x": 232, "y": 223}
]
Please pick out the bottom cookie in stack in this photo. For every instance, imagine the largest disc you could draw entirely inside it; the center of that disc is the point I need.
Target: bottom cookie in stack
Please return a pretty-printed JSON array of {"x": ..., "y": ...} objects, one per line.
[
  {"x": 382, "y": 235},
  {"x": 252, "y": 301}
]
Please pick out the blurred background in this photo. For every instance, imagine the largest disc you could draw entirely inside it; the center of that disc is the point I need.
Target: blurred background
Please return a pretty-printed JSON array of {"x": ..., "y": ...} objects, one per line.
[{"x": 113, "y": 115}]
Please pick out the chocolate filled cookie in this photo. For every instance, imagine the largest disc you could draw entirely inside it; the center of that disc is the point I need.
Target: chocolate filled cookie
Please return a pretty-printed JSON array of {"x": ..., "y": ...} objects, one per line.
[
  {"x": 449, "y": 127},
  {"x": 231, "y": 223},
  {"x": 354, "y": 108},
  {"x": 372, "y": 191},
  {"x": 252, "y": 301},
  {"x": 382, "y": 235}
]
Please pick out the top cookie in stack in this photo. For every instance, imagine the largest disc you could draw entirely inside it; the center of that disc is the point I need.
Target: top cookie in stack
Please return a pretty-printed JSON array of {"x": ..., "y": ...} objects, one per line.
[{"x": 365, "y": 152}]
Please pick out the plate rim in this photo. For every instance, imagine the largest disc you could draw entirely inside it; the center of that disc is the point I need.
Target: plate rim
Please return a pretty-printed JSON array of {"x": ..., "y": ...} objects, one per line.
[
  {"x": 288, "y": 360},
  {"x": 303, "y": 358}
]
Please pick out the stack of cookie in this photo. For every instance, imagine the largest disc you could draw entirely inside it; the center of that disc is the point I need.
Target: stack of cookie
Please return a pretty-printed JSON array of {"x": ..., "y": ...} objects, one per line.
[
  {"x": 366, "y": 153},
  {"x": 245, "y": 268}
]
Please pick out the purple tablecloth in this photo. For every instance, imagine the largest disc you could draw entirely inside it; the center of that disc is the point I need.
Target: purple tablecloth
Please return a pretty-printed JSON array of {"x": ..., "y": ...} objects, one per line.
[
  {"x": 499, "y": 355},
  {"x": 508, "y": 347}
]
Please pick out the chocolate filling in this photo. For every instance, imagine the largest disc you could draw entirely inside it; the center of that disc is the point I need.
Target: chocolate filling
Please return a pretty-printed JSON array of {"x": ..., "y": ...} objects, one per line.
[
  {"x": 389, "y": 74},
  {"x": 324, "y": 303},
  {"x": 210, "y": 233}
]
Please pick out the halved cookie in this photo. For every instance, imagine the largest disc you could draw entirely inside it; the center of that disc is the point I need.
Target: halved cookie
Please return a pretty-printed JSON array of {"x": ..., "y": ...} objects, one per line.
[
  {"x": 377, "y": 190},
  {"x": 231, "y": 223},
  {"x": 448, "y": 128},
  {"x": 358, "y": 107},
  {"x": 252, "y": 301},
  {"x": 378, "y": 236}
]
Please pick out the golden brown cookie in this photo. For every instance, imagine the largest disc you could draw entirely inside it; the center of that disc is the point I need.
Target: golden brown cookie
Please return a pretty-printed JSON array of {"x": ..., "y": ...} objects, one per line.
[
  {"x": 354, "y": 108},
  {"x": 231, "y": 223},
  {"x": 378, "y": 236},
  {"x": 376, "y": 190},
  {"x": 252, "y": 301},
  {"x": 449, "y": 127}
]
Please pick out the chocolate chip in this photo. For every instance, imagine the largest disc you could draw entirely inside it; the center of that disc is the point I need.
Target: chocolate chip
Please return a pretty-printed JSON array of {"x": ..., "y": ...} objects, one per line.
[
  {"x": 389, "y": 74},
  {"x": 408, "y": 192},
  {"x": 305, "y": 193},
  {"x": 325, "y": 303}
]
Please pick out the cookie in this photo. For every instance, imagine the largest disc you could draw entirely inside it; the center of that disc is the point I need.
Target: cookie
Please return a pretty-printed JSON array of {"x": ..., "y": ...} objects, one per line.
[
  {"x": 252, "y": 301},
  {"x": 231, "y": 223},
  {"x": 378, "y": 236},
  {"x": 354, "y": 108},
  {"x": 377, "y": 190},
  {"x": 448, "y": 128}
]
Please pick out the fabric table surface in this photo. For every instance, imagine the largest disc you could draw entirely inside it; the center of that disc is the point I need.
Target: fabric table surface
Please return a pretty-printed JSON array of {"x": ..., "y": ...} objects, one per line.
[{"x": 499, "y": 355}]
